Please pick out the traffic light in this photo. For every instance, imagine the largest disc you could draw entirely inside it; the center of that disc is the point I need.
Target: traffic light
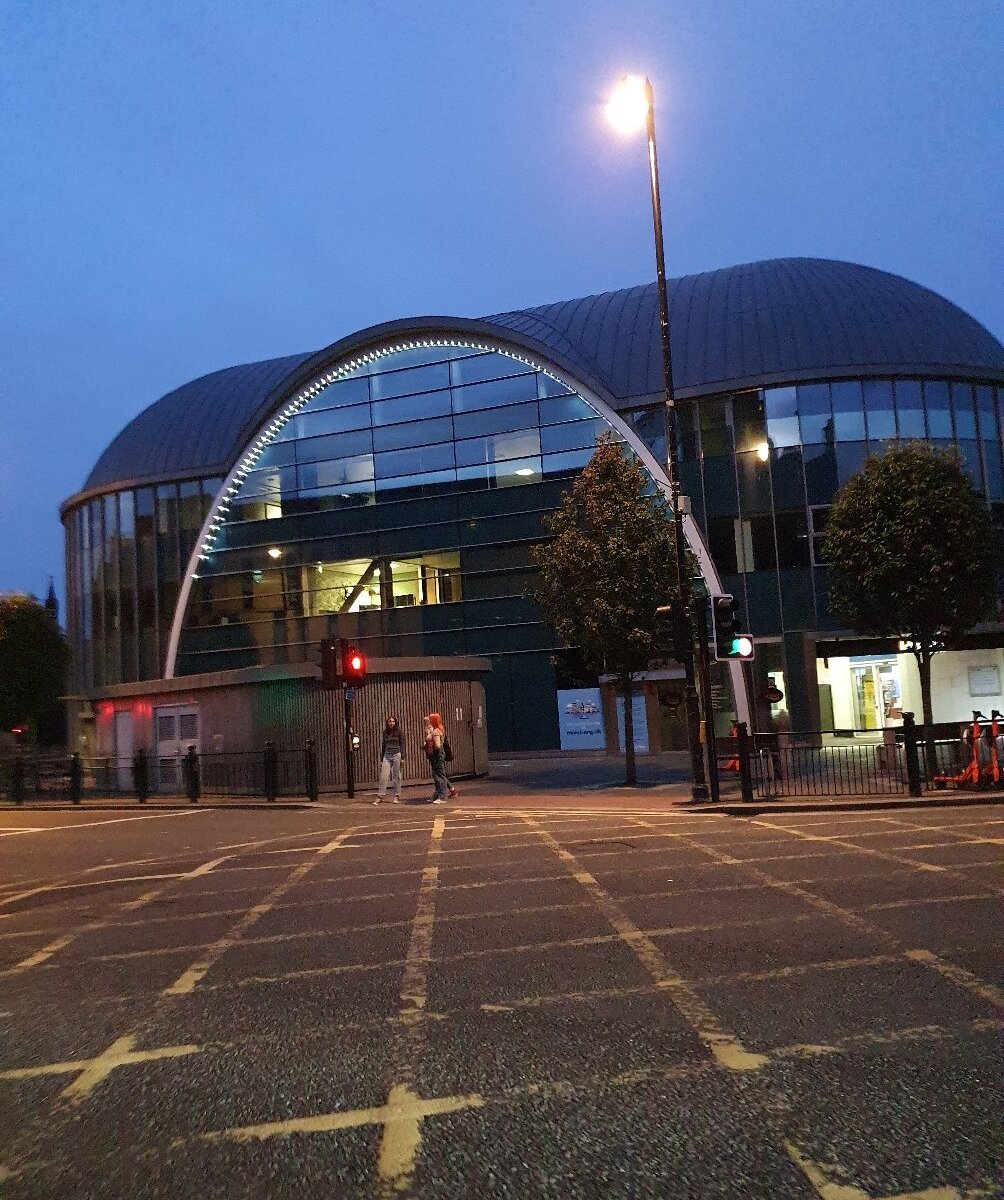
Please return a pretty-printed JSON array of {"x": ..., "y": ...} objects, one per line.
[
  {"x": 353, "y": 665},
  {"x": 729, "y": 642},
  {"x": 330, "y": 664}
]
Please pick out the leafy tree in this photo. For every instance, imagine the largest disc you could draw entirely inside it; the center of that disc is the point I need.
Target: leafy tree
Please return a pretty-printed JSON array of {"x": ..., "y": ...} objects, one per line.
[
  {"x": 33, "y": 661},
  {"x": 609, "y": 566},
  {"x": 913, "y": 554}
]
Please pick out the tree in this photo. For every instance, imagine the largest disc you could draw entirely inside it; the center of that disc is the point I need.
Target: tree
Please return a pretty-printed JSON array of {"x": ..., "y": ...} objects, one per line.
[
  {"x": 913, "y": 554},
  {"x": 610, "y": 565},
  {"x": 33, "y": 661}
]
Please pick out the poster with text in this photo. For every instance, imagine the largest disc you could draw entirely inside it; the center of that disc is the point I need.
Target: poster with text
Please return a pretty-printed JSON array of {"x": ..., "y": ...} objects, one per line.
[
  {"x": 580, "y": 719},
  {"x": 640, "y": 723}
]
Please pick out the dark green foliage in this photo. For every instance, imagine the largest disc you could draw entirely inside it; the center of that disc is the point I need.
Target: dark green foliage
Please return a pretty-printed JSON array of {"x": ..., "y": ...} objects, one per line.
[
  {"x": 913, "y": 552},
  {"x": 610, "y": 565},
  {"x": 33, "y": 661}
]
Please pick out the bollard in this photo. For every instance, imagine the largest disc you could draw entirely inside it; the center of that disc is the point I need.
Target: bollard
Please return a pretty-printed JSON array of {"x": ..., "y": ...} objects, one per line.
[
  {"x": 141, "y": 775},
  {"x": 271, "y": 772},
  {"x": 310, "y": 770},
  {"x": 743, "y": 751},
  {"x": 17, "y": 780},
  {"x": 76, "y": 785},
  {"x": 912, "y": 754},
  {"x": 190, "y": 770}
]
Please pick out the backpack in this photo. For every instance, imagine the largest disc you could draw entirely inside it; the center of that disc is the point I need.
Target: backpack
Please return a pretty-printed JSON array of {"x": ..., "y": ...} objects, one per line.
[{"x": 447, "y": 749}]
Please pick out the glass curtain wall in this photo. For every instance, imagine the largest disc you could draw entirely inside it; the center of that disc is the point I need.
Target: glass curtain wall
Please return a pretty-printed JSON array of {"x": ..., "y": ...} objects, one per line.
[{"x": 762, "y": 467}]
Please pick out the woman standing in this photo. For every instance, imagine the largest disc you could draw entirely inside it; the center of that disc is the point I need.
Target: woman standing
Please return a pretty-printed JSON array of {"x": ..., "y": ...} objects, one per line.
[
  {"x": 435, "y": 751},
  {"x": 391, "y": 749}
]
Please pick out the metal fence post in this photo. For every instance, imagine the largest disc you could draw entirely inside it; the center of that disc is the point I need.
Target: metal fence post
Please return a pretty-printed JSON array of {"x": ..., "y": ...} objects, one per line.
[
  {"x": 744, "y": 748},
  {"x": 271, "y": 772},
  {"x": 76, "y": 785},
  {"x": 912, "y": 754},
  {"x": 310, "y": 770},
  {"x": 141, "y": 775},
  {"x": 190, "y": 770}
]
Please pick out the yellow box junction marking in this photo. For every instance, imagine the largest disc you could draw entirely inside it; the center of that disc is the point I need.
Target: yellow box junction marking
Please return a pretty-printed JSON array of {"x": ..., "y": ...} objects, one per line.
[
  {"x": 91, "y": 1071},
  {"x": 189, "y": 978},
  {"x": 725, "y": 1047}
]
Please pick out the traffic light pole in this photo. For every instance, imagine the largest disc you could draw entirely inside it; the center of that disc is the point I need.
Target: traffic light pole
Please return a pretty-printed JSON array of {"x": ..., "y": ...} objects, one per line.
[
  {"x": 699, "y": 787},
  {"x": 704, "y": 654},
  {"x": 350, "y": 762}
]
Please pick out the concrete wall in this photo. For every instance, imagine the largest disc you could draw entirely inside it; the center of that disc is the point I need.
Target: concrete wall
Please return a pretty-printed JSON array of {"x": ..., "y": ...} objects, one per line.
[{"x": 950, "y": 683}]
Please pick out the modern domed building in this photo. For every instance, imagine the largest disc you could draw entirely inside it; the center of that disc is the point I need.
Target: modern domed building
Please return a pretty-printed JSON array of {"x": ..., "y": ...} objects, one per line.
[{"x": 389, "y": 488}]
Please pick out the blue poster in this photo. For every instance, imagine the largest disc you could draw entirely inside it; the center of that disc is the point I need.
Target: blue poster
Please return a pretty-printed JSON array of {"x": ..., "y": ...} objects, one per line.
[
  {"x": 580, "y": 719},
  {"x": 640, "y": 723}
]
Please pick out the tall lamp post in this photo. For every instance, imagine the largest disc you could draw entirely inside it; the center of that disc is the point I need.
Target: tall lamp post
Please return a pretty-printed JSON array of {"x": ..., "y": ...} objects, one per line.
[{"x": 631, "y": 108}]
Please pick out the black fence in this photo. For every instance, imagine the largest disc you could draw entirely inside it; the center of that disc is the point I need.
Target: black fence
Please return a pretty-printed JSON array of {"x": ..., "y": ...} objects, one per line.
[
  {"x": 269, "y": 774},
  {"x": 891, "y": 762}
]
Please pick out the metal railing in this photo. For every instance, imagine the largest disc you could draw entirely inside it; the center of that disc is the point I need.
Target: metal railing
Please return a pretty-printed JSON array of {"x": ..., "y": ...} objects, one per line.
[
  {"x": 842, "y": 763},
  {"x": 268, "y": 774}
]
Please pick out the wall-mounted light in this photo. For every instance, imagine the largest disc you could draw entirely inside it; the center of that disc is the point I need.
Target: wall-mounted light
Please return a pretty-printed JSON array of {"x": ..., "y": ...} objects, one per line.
[{"x": 274, "y": 552}]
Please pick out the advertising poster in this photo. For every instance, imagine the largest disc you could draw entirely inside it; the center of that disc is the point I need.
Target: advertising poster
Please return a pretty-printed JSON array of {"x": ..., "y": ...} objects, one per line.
[
  {"x": 580, "y": 719},
  {"x": 640, "y": 723}
]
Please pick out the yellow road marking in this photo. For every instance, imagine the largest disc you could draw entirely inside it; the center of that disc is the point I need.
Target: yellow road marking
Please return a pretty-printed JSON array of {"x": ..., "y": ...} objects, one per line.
[
  {"x": 826, "y": 1189},
  {"x": 402, "y": 1128},
  {"x": 725, "y": 1047},
  {"x": 91, "y": 1071},
  {"x": 959, "y": 976},
  {"x": 405, "y": 1109},
  {"x": 190, "y": 977},
  {"x": 956, "y": 975}
]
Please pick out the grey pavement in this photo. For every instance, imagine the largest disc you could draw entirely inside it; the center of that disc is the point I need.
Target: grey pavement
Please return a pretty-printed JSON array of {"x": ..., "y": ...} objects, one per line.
[{"x": 467, "y": 1002}]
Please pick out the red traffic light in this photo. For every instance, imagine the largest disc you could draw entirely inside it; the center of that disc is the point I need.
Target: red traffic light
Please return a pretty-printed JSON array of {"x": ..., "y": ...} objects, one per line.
[{"x": 353, "y": 665}]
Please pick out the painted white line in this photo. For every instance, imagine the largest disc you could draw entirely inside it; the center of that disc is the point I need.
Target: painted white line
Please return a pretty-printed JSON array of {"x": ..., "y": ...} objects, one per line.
[
  {"x": 188, "y": 812},
  {"x": 89, "y": 883}
]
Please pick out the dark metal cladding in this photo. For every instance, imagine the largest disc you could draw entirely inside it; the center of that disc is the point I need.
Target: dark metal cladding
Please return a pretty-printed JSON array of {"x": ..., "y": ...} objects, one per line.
[{"x": 758, "y": 324}]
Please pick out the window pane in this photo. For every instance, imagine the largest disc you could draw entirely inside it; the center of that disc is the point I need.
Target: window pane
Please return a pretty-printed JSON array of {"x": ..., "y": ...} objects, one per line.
[
  {"x": 780, "y": 403},
  {"x": 548, "y": 386},
  {"x": 342, "y": 393},
  {"x": 411, "y": 433},
  {"x": 500, "y": 391},
  {"x": 939, "y": 417},
  {"x": 988, "y": 418},
  {"x": 878, "y": 404},
  {"x": 499, "y": 447},
  {"x": 431, "y": 579},
  {"x": 749, "y": 421},
  {"x": 783, "y": 431},
  {"x": 336, "y": 472},
  {"x": 335, "y": 445},
  {"x": 519, "y": 471},
  {"x": 412, "y": 408},
  {"x": 716, "y": 427},
  {"x": 564, "y": 408},
  {"x": 495, "y": 420},
  {"x": 479, "y": 367},
  {"x": 815, "y": 417},
  {"x": 792, "y": 539},
  {"x": 335, "y": 420},
  {"x": 277, "y": 454},
  {"x": 571, "y": 460},
  {"x": 575, "y": 436},
  {"x": 962, "y": 404},
  {"x": 848, "y": 411},
  {"x": 415, "y": 379},
  {"x": 910, "y": 409},
  {"x": 850, "y": 459},
  {"x": 415, "y": 460}
]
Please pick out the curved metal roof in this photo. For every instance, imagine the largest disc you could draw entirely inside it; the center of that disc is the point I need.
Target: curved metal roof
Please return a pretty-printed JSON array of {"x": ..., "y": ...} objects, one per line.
[{"x": 760, "y": 323}]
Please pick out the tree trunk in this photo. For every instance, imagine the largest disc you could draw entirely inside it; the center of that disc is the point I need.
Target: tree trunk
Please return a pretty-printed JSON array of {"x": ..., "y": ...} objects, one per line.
[
  {"x": 923, "y": 655},
  {"x": 630, "y": 774}
]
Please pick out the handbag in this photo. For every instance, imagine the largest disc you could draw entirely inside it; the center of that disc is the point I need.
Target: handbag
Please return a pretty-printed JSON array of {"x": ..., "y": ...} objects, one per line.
[{"x": 447, "y": 749}]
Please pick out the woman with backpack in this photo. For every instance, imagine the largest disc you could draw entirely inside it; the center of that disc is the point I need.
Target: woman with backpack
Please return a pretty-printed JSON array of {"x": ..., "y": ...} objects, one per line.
[{"x": 438, "y": 752}]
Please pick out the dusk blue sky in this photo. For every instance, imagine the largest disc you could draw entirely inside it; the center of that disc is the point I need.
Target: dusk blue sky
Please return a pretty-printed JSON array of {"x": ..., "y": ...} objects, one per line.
[{"x": 196, "y": 183}]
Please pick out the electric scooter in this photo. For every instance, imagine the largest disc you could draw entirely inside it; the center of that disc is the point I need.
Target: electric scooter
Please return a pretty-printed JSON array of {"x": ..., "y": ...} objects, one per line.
[{"x": 970, "y": 775}]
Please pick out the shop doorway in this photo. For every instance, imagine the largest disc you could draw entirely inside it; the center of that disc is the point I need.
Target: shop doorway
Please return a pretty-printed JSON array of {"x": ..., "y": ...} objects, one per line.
[{"x": 876, "y": 692}]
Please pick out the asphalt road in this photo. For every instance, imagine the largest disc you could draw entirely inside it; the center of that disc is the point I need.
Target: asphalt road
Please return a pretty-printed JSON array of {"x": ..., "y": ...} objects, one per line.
[{"x": 439, "y": 1002}]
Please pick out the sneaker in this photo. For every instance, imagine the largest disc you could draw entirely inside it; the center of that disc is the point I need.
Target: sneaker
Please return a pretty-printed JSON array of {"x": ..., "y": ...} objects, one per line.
[
  {"x": 397, "y": 799},
  {"x": 438, "y": 801},
  {"x": 376, "y": 803}
]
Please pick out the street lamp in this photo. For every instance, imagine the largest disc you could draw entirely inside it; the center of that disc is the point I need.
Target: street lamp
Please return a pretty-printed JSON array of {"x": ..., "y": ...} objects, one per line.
[{"x": 632, "y": 108}]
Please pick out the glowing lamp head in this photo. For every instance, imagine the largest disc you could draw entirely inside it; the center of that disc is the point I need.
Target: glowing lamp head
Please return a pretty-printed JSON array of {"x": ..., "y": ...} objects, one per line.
[
  {"x": 274, "y": 552},
  {"x": 742, "y": 646},
  {"x": 356, "y": 662},
  {"x": 627, "y": 108},
  {"x": 763, "y": 451}
]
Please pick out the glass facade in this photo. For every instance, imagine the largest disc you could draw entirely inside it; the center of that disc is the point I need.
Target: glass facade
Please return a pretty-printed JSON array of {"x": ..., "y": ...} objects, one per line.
[
  {"x": 762, "y": 468},
  {"x": 398, "y": 506}
]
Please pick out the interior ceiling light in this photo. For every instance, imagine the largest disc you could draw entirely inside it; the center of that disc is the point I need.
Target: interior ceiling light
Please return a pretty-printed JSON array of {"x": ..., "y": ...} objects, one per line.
[{"x": 274, "y": 552}]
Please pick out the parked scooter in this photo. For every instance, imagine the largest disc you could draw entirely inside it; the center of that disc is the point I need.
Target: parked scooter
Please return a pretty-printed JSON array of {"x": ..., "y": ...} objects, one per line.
[{"x": 986, "y": 752}]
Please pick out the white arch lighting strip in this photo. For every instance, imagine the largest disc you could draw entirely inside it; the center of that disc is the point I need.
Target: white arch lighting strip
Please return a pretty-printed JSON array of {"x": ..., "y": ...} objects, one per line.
[{"x": 267, "y": 434}]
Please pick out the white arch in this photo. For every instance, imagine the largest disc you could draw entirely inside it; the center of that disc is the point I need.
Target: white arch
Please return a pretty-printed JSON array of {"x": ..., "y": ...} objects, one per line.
[{"x": 273, "y": 424}]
